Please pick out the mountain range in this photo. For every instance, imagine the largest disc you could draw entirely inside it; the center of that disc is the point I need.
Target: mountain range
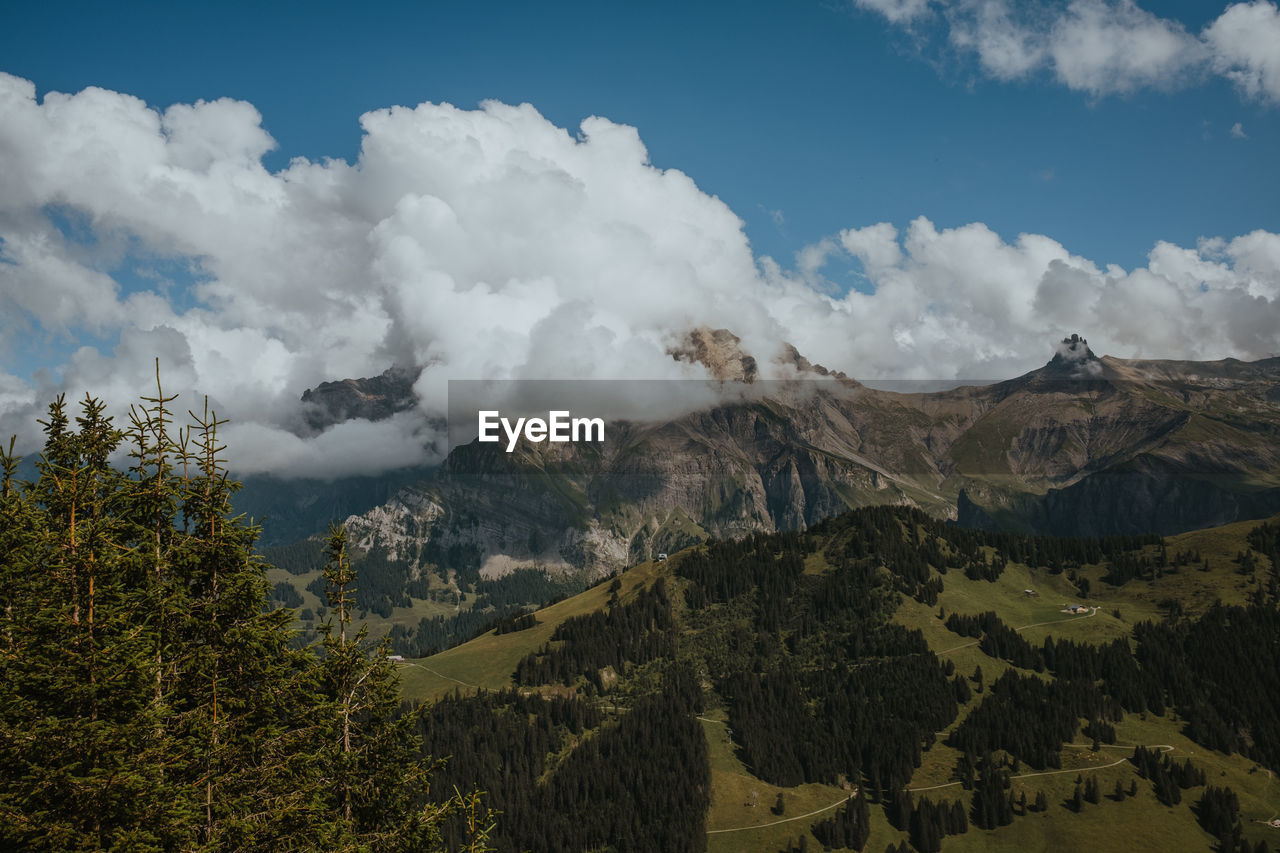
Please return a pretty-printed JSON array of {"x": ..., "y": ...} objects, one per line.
[{"x": 1084, "y": 445}]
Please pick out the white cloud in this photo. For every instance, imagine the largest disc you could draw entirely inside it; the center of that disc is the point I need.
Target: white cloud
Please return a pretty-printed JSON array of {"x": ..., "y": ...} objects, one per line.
[
  {"x": 1105, "y": 47},
  {"x": 1237, "y": 131},
  {"x": 897, "y": 11},
  {"x": 490, "y": 243},
  {"x": 1007, "y": 48},
  {"x": 876, "y": 246},
  {"x": 1246, "y": 48},
  {"x": 1101, "y": 48}
]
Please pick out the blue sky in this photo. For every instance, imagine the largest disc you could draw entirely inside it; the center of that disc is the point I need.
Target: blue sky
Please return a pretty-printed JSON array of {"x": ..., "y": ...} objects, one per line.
[
  {"x": 820, "y": 110},
  {"x": 926, "y": 189}
]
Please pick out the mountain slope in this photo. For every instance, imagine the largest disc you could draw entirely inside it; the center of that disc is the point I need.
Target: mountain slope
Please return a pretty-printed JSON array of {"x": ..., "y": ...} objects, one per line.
[
  {"x": 1085, "y": 446},
  {"x": 790, "y": 635}
]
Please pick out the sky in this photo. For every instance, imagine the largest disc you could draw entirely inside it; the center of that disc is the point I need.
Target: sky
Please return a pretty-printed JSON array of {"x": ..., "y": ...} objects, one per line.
[{"x": 269, "y": 196}]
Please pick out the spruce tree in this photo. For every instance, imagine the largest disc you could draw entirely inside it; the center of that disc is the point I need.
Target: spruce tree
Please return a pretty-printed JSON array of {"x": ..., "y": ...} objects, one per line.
[
  {"x": 372, "y": 780},
  {"x": 79, "y": 751},
  {"x": 148, "y": 699}
]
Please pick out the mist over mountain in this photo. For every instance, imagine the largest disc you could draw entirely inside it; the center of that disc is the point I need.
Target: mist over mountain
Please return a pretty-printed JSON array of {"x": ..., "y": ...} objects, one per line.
[
  {"x": 492, "y": 243},
  {"x": 1084, "y": 445}
]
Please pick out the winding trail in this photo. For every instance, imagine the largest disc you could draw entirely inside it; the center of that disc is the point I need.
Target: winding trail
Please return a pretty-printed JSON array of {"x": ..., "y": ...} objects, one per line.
[
  {"x": 1163, "y": 747},
  {"x": 436, "y": 674},
  {"x": 785, "y": 819},
  {"x": 1265, "y": 801},
  {"x": 1023, "y": 628}
]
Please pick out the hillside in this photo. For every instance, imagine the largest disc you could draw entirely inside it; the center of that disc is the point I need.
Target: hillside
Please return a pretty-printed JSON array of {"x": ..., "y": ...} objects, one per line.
[
  {"x": 855, "y": 656},
  {"x": 1082, "y": 446}
]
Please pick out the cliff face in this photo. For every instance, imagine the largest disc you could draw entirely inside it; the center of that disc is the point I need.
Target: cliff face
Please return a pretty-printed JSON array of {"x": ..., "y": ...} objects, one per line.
[
  {"x": 372, "y": 399},
  {"x": 1085, "y": 445}
]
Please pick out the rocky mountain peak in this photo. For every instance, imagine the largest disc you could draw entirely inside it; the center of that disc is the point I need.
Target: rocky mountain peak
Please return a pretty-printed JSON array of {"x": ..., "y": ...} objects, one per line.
[
  {"x": 1074, "y": 358},
  {"x": 791, "y": 356},
  {"x": 719, "y": 351},
  {"x": 374, "y": 399}
]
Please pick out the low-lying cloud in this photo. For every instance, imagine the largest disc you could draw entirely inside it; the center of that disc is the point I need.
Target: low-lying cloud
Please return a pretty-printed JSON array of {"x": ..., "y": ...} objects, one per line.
[{"x": 492, "y": 244}]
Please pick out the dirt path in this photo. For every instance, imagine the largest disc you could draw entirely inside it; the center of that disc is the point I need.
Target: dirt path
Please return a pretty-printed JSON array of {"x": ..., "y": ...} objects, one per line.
[
  {"x": 785, "y": 819},
  {"x": 1265, "y": 800},
  {"x": 1163, "y": 747},
  {"x": 1023, "y": 628},
  {"x": 436, "y": 674}
]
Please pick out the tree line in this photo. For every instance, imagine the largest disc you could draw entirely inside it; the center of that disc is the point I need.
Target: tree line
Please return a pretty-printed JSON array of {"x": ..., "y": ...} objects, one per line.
[{"x": 640, "y": 782}]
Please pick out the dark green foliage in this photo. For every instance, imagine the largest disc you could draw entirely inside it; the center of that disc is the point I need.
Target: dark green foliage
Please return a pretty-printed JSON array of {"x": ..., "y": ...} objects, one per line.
[
  {"x": 660, "y": 803},
  {"x": 639, "y": 784},
  {"x": 1100, "y": 732},
  {"x": 148, "y": 698},
  {"x": 823, "y": 686},
  {"x": 849, "y": 828},
  {"x": 1218, "y": 812},
  {"x": 1168, "y": 778},
  {"x": 514, "y": 622},
  {"x": 768, "y": 565},
  {"x": 990, "y": 807},
  {"x": 504, "y": 742},
  {"x": 495, "y": 600},
  {"x": 296, "y": 558},
  {"x": 283, "y": 594},
  {"x": 930, "y": 822},
  {"x": 1030, "y": 718},
  {"x": 799, "y": 845},
  {"x": 854, "y": 721},
  {"x": 998, "y": 639},
  {"x": 1265, "y": 539},
  {"x": 1214, "y": 670},
  {"x": 633, "y": 633}
]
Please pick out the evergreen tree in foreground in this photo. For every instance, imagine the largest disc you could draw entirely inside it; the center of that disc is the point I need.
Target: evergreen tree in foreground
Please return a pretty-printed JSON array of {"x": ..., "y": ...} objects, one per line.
[{"x": 148, "y": 700}]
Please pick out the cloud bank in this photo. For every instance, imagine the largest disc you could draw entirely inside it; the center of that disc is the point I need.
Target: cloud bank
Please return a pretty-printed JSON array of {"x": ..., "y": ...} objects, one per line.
[
  {"x": 492, "y": 244},
  {"x": 1102, "y": 47}
]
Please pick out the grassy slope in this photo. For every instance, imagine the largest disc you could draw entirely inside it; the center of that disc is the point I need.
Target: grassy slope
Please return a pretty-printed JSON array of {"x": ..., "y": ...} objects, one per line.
[
  {"x": 742, "y": 803},
  {"x": 488, "y": 660},
  {"x": 378, "y": 626},
  {"x": 1108, "y": 825}
]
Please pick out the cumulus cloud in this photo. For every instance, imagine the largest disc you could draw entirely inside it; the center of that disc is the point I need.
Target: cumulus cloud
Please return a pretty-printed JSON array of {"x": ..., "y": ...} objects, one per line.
[
  {"x": 1103, "y": 47},
  {"x": 1246, "y": 48},
  {"x": 491, "y": 244}
]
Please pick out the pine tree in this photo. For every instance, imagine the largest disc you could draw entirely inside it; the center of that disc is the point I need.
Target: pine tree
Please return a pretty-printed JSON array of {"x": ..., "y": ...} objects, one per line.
[
  {"x": 148, "y": 700},
  {"x": 79, "y": 747},
  {"x": 370, "y": 750},
  {"x": 991, "y": 806}
]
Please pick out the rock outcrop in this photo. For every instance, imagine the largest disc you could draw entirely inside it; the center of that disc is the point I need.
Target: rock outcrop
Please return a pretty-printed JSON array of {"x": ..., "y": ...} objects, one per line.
[{"x": 374, "y": 399}]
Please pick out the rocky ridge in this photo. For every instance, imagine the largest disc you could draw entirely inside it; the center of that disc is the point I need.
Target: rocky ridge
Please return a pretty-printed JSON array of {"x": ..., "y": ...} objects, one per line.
[{"x": 1084, "y": 445}]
